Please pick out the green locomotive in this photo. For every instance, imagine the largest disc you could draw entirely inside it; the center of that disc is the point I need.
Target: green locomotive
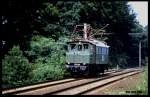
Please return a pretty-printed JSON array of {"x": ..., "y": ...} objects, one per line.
[{"x": 87, "y": 56}]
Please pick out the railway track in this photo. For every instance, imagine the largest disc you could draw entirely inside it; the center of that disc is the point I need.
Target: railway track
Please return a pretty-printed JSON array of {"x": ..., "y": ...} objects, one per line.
[
  {"x": 85, "y": 89},
  {"x": 61, "y": 87},
  {"x": 34, "y": 87},
  {"x": 43, "y": 85}
]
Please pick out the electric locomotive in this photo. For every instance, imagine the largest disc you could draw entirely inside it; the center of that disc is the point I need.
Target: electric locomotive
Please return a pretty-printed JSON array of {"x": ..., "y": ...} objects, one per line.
[{"x": 86, "y": 55}]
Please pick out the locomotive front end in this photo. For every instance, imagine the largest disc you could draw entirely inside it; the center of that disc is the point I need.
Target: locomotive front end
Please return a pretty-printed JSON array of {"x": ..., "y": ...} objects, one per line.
[{"x": 77, "y": 57}]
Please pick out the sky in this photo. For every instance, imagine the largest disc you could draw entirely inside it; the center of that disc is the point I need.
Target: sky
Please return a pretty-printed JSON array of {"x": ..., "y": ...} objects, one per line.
[{"x": 141, "y": 9}]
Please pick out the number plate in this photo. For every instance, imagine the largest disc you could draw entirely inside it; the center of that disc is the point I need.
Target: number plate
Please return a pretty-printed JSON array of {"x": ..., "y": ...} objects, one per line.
[{"x": 77, "y": 64}]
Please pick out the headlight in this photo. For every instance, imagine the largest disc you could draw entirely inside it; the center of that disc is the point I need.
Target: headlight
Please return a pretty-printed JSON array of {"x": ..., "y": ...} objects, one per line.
[
  {"x": 83, "y": 67},
  {"x": 84, "y": 64},
  {"x": 67, "y": 66}
]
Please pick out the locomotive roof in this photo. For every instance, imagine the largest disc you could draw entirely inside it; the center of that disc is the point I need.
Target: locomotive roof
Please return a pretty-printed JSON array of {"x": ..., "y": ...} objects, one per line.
[{"x": 92, "y": 41}]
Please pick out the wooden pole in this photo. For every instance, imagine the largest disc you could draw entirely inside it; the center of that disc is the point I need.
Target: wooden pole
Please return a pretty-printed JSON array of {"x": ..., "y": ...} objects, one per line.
[
  {"x": 85, "y": 31},
  {"x": 140, "y": 53}
]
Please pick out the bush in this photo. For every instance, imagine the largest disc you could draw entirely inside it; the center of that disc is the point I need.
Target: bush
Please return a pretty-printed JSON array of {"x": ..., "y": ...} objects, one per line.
[
  {"x": 44, "y": 72},
  {"x": 48, "y": 59},
  {"x": 15, "y": 68},
  {"x": 50, "y": 69},
  {"x": 42, "y": 48}
]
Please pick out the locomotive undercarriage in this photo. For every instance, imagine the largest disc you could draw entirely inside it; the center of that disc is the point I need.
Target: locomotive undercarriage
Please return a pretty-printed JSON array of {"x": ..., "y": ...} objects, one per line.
[{"x": 86, "y": 69}]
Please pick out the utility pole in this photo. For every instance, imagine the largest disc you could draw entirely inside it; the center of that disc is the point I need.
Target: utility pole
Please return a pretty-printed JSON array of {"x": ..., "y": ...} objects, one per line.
[
  {"x": 140, "y": 41},
  {"x": 140, "y": 53},
  {"x": 85, "y": 31}
]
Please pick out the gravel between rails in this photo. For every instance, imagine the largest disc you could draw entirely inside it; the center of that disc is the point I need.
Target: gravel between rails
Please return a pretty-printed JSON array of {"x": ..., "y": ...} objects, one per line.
[
  {"x": 54, "y": 88},
  {"x": 15, "y": 90}
]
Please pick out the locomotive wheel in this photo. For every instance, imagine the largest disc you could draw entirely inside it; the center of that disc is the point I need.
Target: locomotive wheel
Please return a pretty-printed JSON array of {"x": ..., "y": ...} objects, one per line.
[{"x": 92, "y": 71}]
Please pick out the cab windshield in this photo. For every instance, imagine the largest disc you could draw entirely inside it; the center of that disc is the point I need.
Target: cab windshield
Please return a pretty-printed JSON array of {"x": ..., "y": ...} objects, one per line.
[
  {"x": 85, "y": 46},
  {"x": 79, "y": 47},
  {"x": 72, "y": 46}
]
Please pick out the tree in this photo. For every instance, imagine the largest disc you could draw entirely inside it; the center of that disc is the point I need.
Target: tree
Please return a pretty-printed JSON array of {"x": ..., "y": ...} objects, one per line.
[
  {"x": 18, "y": 22},
  {"x": 121, "y": 22},
  {"x": 47, "y": 58},
  {"x": 15, "y": 68}
]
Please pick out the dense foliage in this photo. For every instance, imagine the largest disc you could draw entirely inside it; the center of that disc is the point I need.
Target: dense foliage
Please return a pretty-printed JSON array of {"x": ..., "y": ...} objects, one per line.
[
  {"x": 41, "y": 28},
  {"x": 15, "y": 68},
  {"x": 47, "y": 57}
]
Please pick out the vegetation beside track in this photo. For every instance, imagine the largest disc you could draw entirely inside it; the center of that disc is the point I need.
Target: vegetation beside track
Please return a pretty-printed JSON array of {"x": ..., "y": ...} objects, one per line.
[
  {"x": 143, "y": 87},
  {"x": 140, "y": 89}
]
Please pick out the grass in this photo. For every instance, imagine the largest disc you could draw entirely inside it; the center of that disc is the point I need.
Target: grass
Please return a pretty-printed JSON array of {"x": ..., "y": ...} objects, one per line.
[
  {"x": 143, "y": 87},
  {"x": 140, "y": 89}
]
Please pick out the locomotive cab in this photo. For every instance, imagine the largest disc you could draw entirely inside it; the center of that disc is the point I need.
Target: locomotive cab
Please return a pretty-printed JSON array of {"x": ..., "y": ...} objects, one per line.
[{"x": 77, "y": 56}]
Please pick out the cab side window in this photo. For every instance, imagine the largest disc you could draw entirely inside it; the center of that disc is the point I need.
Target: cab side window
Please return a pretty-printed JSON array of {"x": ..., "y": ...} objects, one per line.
[{"x": 103, "y": 50}]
